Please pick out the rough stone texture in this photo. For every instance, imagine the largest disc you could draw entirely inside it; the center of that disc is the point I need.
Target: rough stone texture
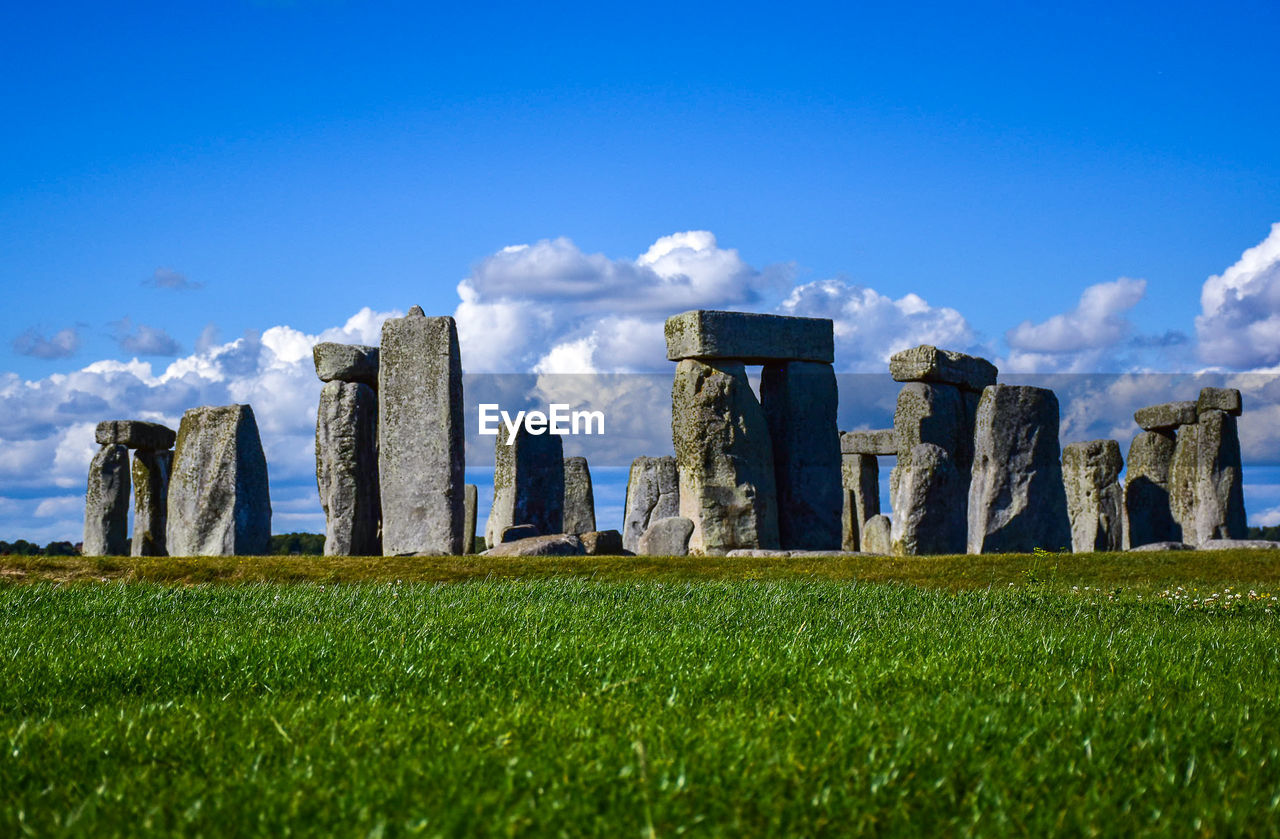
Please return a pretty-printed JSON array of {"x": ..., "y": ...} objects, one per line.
[
  {"x": 1146, "y": 490},
  {"x": 749, "y": 338},
  {"x": 1017, "y": 502},
  {"x": 1184, "y": 475},
  {"x": 421, "y": 444},
  {"x": 653, "y": 492},
  {"x": 1229, "y": 544},
  {"x": 106, "y": 503},
  {"x": 882, "y": 441},
  {"x": 799, "y": 403},
  {"x": 725, "y": 459},
  {"x": 860, "y": 477},
  {"x": 347, "y": 469},
  {"x": 470, "y": 501},
  {"x": 1206, "y": 490},
  {"x": 528, "y": 483},
  {"x": 346, "y": 363},
  {"x": 929, "y": 505},
  {"x": 930, "y": 364},
  {"x": 219, "y": 496},
  {"x": 1165, "y": 417},
  {"x": 932, "y": 413},
  {"x": 760, "y": 553},
  {"x": 1095, "y": 499},
  {"x": 557, "y": 544},
  {"x": 579, "y": 500},
  {"x": 135, "y": 434},
  {"x": 877, "y": 536},
  {"x": 1219, "y": 399},
  {"x": 666, "y": 537},
  {"x": 151, "y": 470},
  {"x": 516, "y": 532},
  {"x": 1165, "y": 546},
  {"x": 602, "y": 543}
]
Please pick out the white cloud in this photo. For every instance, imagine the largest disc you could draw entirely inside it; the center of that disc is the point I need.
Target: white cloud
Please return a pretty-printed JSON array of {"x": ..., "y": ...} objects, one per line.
[
  {"x": 1239, "y": 323},
  {"x": 1076, "y": 341}
]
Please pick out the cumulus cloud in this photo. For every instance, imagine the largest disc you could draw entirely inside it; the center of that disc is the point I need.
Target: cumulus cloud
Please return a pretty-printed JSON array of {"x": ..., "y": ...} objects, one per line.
[
  {"x": 173, "y": 280},
  {"x": 144, "y": 340},
  {"x": 61, "y": 344},
  {"x": 1077, "y": 340},
  {"x": 1239, "y": 321}
]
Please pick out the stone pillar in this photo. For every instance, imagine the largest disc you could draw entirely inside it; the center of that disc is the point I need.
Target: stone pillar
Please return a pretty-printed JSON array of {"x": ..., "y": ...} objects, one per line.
[
  {"x": 1147, "y": 510},
  {"x": 653, "y": 493},
  {"x": 579, "y": 500},
  {"x": 1206, "y": 486},
  {"x": 347, "y": 469},
  {"x": 106, "y": 503},
  {"x": 860, "y": 477},
  {"x": 420, "y": 432},
  {"x": 471, "y": 499},
  {"x": 151, "y": 470},
  {"x": 1095, "y": 499},
  {"x": 528, "y": 484},
  {"x": 929, "y": 505}
]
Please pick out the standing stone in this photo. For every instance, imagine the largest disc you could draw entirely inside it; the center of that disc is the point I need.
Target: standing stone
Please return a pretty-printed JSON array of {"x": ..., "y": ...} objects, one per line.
[
  {"x": 1148, "y": 518},
  {"x": 725, "y": 458},
  {"x": 106, "y": 503},
  {"x": 799, "y": 403},
  {"x": 579, "y": 500},
  {"x": 1206, "y": 491},
  {"x": 219, "y": 496},
  {"x": 1184, "y": 475},
  {"x": 1095, "y": 499},
  {"x": 877, "y": 535},
  {"x": 1016, "y": 498},
  {"x": 932, "y": 413},
  {"x": 151, "y": 470},
  {"x": 929, "y": 505},
  {"x": 860, "y": 477},
  {"x": 528, "y": 484},
  {"x": 666, "y": 537},
  {"x": 347, "y": 469},
  {"x": 470, "y": 501},
  {"x": 653, "y": 492},
  {"x": 420, "y": 428}
]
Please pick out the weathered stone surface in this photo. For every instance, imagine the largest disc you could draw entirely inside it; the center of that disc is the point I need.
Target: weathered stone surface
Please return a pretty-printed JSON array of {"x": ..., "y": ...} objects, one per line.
[
  {"x": 1206, "y": 489},
  {"x": 860, "y": 478},
  {"x": 579, "y": 500},
  {"x": 749, "y": 338},
  {"x": 1165, "y": 417},
  {"x": 882, "y": 441},
  {"x": 135, "y": 434},
  {"x": 1146, "y": 491},
  {"x": 877, "y": 536},
  {"x": 1017, "y": 502},
  {"x": 106, "y": 503},
  {"x": 1219, "y": 399},
  {"x": 666, "y": 537},
  {"x": 347, "y": 469},
  {"x": 930, "y": 364},
  {"x": 653, "y": 492},
  {"x": 725, "y": 459},
  {"x": 1231, "y": 544},
  {"x": 151, "y": 469},
  {"x": 346, "y": 363},
  {"x": 516, "y": 532},
  {"x": 799, "y": 403},
  {"x": 219, "y": 495},
  {"x": 932, "y": 413},
  {"x": 528, "y": 483},
  {"x": 470, "y": 501},
  {"x": 557, "y": 544},
  {"x": 602, "y": 543},
  {"x": 929, "y": 505},
  {"x": 1164, "y": 546},
  {"x": 420, "y": 427},
  {"x": 1095, "y": 499},
  {"x": 758, "y": 553}
]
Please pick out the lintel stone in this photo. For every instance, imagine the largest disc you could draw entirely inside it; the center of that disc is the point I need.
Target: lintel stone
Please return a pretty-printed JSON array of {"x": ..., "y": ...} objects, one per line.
[
  {"x": 1165, "y": 416},
  {"x": 135, "y": 434},
  {"x": 881, "y": 441},
  {"x": 749, "y": 338},
  {"x": 1219, "y": 399},
  {"x": 926, "y": 363}
]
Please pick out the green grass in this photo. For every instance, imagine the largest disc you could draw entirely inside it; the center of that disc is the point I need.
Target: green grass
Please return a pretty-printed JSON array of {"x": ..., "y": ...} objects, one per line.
[{"x": 566, "y": 703}]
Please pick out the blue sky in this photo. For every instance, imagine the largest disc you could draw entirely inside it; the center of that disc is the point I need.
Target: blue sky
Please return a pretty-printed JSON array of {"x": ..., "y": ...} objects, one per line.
[{"x": 180, "y": 179}]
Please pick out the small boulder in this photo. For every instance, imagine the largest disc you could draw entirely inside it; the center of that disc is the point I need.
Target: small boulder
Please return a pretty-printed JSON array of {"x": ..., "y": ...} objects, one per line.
[
  {"x": 666, "y": 537},
  {"x": 516, "y": 532},
  {"x": 557, "y": 544},
  {"x": 602, "y": 543}
]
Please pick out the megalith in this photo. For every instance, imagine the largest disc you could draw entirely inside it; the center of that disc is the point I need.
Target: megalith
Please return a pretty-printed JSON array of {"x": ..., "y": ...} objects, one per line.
[
  {"x": 860, "y": 479},
  {"x": 528, "y": 483},
  {"x": 653, "y": 492},
  {"x": 666, "y": 537},
  {"x": 346, "y": 363},
  {"x": 935, "y": 414},
  {"x": 929, "y": 505},
  {"x": 470, "y": 501},
  {"x": 347, "y": 468},
  {"x": 877, "y": 535},
  {"x": 106, "y": 503},
  {"x": 1148, "y": 516},
  {"x": 151, "y": 470},
  {"x": 579, "y": 500},
  {"x": 1206, "y": 486},
  {"x": 748, "y": 338},
  {"x": 1095, "y": 499}
]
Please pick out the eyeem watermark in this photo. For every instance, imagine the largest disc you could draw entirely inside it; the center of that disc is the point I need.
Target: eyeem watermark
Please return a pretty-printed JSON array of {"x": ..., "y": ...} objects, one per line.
[{"x": 558, "y": 420}]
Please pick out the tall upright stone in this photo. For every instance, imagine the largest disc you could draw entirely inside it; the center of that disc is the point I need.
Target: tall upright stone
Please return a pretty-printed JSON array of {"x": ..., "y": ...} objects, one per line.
[
  {"x": 219, "y": 495},
  {"x": 106, "y": 503},
  {"x": 1148, "y": 516},
  {"x": 471, "y": 500},
  {"x": 653, "y": 493},
  {"x": 935, "y": 414},
  {"x": 1016, "y": 497},
  {"x": 799, "y": 403},
  {"x": 1206, "y": 485},
  {"x": 929, "y": 505},
  {"x": 420, "y": 430},
  {"x": 579, "y": 500},
  {"x": 528, "y": 483},
  {"x": 151, "y": 470},
  {"x": 724, "y": 456},
  {"x": 1095, "y": 499},
  {"x": 860, "y": 478},
  {"x": 347, "y": 469}
]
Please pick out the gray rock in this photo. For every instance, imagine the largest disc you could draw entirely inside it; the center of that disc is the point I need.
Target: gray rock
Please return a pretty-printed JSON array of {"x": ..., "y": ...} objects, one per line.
[
  {"x": 930, "y": 364},
  {"x": 602, "y": 543},
  {"x": 1219, "y": 399},
  {"x": 346, "y": 363},
  {"x": 758, "y": 553},
  {"x": 749, "y": 338},
  {"x": 1232, "y": 544},
  {"x": 1184, "y": 478},
  {"x": 528, "y": 483},
  {"x": 666, "y": 537},
  {"x": 1017, "y": 502},
  {"x": 557, "y": 544},
  {"x": 579, "y": 500},
  {"x": 877, "y": 536},
  {"x": 1206, "y": 489},
  {"x": 882, "y": 441},
  {"x": 151, "y": 470},
  {"x": 135, "y": 434},
  {"x": 347, "y": 469},
  {"x": 1165, "y": 546},
  {"x": 929, "y": 505},
  {"x": 932, "y": 413},
  {"x": 1095, "y": 499},
  {"x": 106, "y": 503},
  {"x": 860, "y": 477},
  {"x": 516, "y": 532},
  {"x": 1165, "y": 417},
  {"x": 219, "y": 494},
  {"x": 420, "y": 428},
  {"x": 725, "y": 458},
  {"x": 1148, "y": 518},
  {"x": 470, "y": 501},
  {"x": 653, "y": 492},
  {"x": 799, "y": 403}
]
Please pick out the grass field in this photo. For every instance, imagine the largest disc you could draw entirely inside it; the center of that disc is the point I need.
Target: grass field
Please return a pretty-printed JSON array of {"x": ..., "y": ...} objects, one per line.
[{"x": 985, "y": 695}]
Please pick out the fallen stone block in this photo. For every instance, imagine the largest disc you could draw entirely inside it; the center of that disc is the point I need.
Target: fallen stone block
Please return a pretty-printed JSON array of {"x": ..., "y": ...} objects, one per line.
[
  {"x": 1165, "y": 546},
  {"x": 346, "y": 363},
  {"x": 557, "y": 544},
  {"x": 1232, "y": 544},
  {"x": 516, "y": 532},
  {"x": 749, "y": 338},
  {"x": 930, "y": 364},
  {"x": 135, "y": 434},
  {"x": 602, "y": 543}
]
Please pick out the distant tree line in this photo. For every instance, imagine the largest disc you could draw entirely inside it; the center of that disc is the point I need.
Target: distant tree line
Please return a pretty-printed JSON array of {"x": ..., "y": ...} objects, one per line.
[
  {"x": 1271, "y": 533},
  {"x": 305, "y": 544},
  {"x": 24, "y": 548}
]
